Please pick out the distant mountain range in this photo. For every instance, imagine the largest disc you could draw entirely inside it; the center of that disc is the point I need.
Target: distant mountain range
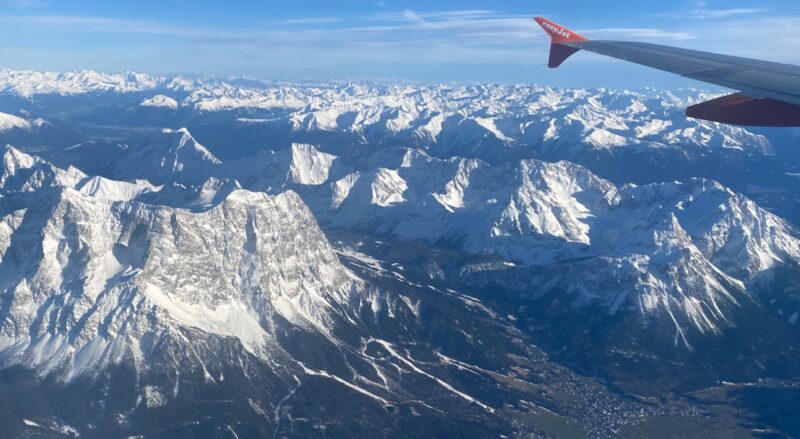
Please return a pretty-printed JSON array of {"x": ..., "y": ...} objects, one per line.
[{"x": 197, "y": 257}]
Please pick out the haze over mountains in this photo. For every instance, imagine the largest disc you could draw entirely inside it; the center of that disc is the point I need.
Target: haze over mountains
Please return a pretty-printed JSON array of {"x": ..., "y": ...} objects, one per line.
[{"x": 187, "y": 256}]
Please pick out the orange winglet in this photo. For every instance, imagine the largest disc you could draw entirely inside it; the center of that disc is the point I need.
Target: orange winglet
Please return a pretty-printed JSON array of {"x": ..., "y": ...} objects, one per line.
[
  {"x": 559, "y": 38},
  {"x": 558, "y": 33}
]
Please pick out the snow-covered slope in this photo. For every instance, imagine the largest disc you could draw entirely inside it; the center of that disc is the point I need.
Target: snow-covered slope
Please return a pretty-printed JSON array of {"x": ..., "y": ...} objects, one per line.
[
  {"x": 160, "y": 101},
  {"x": 171, "y": 155},
  {"x": 243, "y": 291},
  {"x": 676, "y": 250},
  {"x": 23, "y": 172},
  {"x": 86, "y": 242},
  {"x": 625, "y": 136},
  {"x": 509, "y": 210},
  {"x": 529, "y": 212},
  {"x": 196, "y": 269},
  {"x": 468, "y": 120},
  {"x": 9, "y": 122},
  {"x": 27, "y": 83},
  {"x": 521, "y": 210},
  {"x": 115, "y": 274}
]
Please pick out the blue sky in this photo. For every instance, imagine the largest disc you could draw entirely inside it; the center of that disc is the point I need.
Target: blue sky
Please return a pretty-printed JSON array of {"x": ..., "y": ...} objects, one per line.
[{"x": 422, "y": 41}]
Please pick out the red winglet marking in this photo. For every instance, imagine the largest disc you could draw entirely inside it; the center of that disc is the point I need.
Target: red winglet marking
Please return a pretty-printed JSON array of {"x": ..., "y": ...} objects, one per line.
[{"x": 558, "y": 33}]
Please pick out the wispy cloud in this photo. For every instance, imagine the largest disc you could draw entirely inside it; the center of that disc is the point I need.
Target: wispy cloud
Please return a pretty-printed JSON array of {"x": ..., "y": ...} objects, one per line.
[
  {"x": 759, "y": 41},
  {"x": 388, "y": 25},
  {"x": 387, "y": 41},
  {"x": 416, "y": 16},
  {"x": 27, "y": 4},
  {"x": 637, "y": 34},
  {"x": 312, "y": 20},
  {"x": 699, "y": 10},
  {"x": 104, "y": 24},
  {"x": 468, "y": 33}
]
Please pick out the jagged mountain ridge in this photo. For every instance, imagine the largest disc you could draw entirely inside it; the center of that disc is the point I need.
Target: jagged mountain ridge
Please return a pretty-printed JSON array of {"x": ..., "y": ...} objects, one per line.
[
  {"x": 454, "y": 117},
  {"x": 607, "y": 275},
  {"x": 96, "y": 247},
  {"x": 544, "y": 213},
  {"x": 624, "y": 136},
  {"x": 530, "y": 212},
  {"x": 147, "y": 306}
]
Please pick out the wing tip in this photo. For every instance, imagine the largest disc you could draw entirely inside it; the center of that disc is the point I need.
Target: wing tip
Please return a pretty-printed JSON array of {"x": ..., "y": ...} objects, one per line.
[
  {"x": 558, "y": 33},
  {"x": 559, "y": 38}
]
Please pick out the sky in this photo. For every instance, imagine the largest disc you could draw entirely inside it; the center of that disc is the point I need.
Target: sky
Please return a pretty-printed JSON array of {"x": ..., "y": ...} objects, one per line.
[{"x": 440, "y": 41}]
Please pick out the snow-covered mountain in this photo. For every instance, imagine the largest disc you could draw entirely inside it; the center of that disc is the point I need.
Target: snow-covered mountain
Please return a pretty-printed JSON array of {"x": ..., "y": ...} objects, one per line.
[
  {"x": 686, "y": 242},
  {"x": 279, "y": 259},
  {"x": 677, "y": 249},
  {"x": 239, "y": 312},
  {"x": 121, "y": 268},
  {"x": 160, "y": 101},
  {"x": 247, "y": 293},
  {"x": 167, "y": 155},
  {"x": 10, "y": 122},
  {"x": 28, "y": 83},
  {"x": 453, "y": 118},
  {"x": 527, "y": 212},
  {"x": 625, "y": 136}
]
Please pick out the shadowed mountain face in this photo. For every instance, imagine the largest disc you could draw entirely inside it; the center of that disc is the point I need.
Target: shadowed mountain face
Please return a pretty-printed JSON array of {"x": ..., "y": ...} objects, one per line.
[{"x": 198, "y": 258}]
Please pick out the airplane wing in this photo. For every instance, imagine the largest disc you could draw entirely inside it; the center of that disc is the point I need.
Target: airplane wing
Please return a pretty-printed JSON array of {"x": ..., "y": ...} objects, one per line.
[{"x": 769, "y": 93}]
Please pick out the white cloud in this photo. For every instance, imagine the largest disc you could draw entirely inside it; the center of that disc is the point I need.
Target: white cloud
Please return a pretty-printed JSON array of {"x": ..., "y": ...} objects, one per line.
[
  {"x": 459, "y": 36},
  {"x": 102, "y": 24},
  {"x": 640, "y": 34},
  {"x": 26, "y": 4},
  {"x": 699, "y": 10},
  {"x": 758, "y": 41},
  {"x": 313, "y": 20}
]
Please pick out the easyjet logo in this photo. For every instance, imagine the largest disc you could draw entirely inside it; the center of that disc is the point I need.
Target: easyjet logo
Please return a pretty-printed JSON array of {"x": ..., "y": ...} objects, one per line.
[{"x": 557, "y": 30}]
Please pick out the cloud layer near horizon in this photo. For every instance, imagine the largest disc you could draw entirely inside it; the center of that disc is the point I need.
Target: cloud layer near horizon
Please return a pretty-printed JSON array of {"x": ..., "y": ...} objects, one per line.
[{"x": 402, "y": 44}]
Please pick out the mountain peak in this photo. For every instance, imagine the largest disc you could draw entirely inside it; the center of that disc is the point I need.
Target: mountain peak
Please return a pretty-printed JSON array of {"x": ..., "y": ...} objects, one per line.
[
  {"x": 124, "y": 273},
  {"x": 160, "y": 101},
  {"x": 309, "y": 166},
  {"x": 24, "y": 172},
  {"x": 14, "y": 158}
]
